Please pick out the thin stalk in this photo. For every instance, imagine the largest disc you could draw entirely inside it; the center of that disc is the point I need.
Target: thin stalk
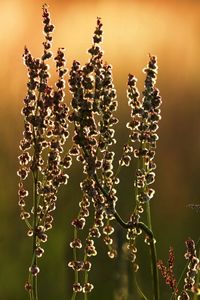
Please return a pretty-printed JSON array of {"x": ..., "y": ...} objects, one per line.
[
  {"x": 153, "y": 256},
  {"x": 73, "y": 296},
  {"x": 35, "y": 288},
  {"x": 75, "y": 271},
  {"x": 86, "y": 280},
  {"x": 153, "y": 252},
  {"x": 154, "y": 270},
  {"x": 143, "y": 297},
  {"x": 31, "y": 282},
  {"x": 148, "y": 212},
  {"x": 34, "y": 259},
  {"x": 35, "y": 174}
]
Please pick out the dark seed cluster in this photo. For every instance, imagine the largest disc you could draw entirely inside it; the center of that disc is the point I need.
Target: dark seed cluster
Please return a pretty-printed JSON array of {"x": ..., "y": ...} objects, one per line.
[
  {"x": 193, "y": 267},
  {"x": 45, "y": 133},
  {"x": 168, "y": 271}
]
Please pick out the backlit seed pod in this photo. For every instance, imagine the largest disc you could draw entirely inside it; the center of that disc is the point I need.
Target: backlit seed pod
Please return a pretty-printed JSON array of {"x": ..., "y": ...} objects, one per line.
[
  {"x": 99, "y": 222},
  {"x": 76, "y": 243},
  {"x": 23, "y": 173},
  {"x": 147, "y": 240},
  {"x": 112, "y": 253},
  {"x": 30, "y": 232},
  {"x": 108, "y": 230},
  {"x": 66, "y": 162},
  {"x": 108, "y": 240},
  {"x": 28, "y": 286},
  {"x": 84, "y": 212},
  {"x": 25, "y": 215},
  {"x": 21, "y": 202},
  {"x": 89, "y": 242},
  {"x": 76, "y": 265},
  {"x": 79, "y": 223},
  {"x": 184, "y": 296},
  {"x": 24, "y": 158},
  {"x": 131, "y": 234},
  {"x": 150, "y": 178},
  {"x": 24, "y": 145},
  {"x": 22, "y": 193},
  {"x": 77, "y": 288},
  {"x": 135, "y": 136},
  {"x": 34, "y": 270},
  {"x": 131, "y": 257},
  {"x": 43, "y": 237},
  {"x": 135, "y": 267},
  {"x": 87, "y": 287},
  {"x": 87, "y": 266},
  {"x": 125, "y": 161},
  {"x": 94, "y": 232},
  {"x": 91, "y": 251},
  {"x": 48, "y": 226},
  {"x": 132, "y": 248},
  {"x": 39, "y": 251}
]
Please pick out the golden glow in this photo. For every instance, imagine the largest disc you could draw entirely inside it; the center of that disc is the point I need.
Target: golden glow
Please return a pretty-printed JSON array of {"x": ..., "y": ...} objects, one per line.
[{"x": 132, "y": 30}]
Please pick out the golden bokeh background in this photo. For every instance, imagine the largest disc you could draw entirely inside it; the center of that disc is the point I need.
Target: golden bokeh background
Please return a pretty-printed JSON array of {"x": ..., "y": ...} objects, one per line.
[{"x": 132, "y": 30}]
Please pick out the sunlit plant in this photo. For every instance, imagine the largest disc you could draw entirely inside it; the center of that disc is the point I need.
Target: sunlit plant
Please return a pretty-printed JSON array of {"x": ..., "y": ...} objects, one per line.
[{"x": 47, "y": 151}]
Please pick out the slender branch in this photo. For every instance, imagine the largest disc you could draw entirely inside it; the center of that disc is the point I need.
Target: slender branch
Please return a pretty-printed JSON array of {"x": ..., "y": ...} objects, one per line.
[
  {"x": 34, "y": 261},
  {"x": 153, "y": 256},
  {"x": 154, "y": 269}
]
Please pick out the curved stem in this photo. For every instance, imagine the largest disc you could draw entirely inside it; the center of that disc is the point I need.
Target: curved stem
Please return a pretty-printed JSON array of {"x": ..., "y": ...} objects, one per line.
[
  {"x": 150, "y": 235},
  {"x": 147, "y": 230}
]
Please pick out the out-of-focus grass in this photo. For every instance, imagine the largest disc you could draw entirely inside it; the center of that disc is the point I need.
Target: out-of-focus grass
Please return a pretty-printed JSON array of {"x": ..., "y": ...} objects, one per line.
[{"x": 133, "y": 29}]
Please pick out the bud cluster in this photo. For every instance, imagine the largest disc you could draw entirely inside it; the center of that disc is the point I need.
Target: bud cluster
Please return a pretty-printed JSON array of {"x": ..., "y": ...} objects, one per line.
[{"x": 168, "y": 271}]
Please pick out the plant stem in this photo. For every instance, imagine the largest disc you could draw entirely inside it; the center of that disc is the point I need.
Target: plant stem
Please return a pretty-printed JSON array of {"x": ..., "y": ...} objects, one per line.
[
  {"x": 75, "y": 271},
  {"x": 154, "y": 270},
  {"x": 35, "y": 288},
  {"x": 34, "y": 260},
  {"x": 153, "y": 256},
  {"x": 148, "y": 232},
  {"x": 148, "y": 211},
  {"x": 73, "y": 296}
]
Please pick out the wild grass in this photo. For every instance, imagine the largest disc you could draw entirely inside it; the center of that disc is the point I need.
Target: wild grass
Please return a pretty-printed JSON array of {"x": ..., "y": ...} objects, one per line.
[{"x": 48, "y": 151}]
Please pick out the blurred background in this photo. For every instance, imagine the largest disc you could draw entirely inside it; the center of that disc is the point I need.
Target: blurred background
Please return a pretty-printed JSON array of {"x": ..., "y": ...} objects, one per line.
[{"x": 132, "y": 30}]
